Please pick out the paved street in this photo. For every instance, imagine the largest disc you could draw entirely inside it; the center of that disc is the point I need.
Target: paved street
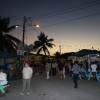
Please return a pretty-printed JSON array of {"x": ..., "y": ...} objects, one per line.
[{"x": 55, "y": 89}]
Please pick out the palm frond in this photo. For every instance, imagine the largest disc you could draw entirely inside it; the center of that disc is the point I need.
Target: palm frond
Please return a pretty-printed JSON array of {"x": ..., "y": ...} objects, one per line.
[
  {"x": 39, "y": 50},
  {"x": 7, "y": 42},
  {"x": 12, "y": 38},
  {"x": 43, "y": 43}
]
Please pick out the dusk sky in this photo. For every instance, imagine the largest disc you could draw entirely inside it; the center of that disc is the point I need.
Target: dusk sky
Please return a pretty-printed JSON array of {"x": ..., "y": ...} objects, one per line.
[{"x": 73, "y": 24}]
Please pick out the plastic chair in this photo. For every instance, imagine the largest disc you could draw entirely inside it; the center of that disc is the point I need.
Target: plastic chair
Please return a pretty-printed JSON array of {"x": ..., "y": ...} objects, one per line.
[{"x": 2, "y": 89}]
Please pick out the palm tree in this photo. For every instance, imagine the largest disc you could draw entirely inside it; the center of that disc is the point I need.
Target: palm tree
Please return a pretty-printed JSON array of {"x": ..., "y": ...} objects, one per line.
[
  {"x": 8, "y": 43},
  {"x": 43, "y": 43}
]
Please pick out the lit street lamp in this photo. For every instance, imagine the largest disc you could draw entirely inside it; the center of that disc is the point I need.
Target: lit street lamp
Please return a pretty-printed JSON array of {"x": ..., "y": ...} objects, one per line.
[
  {"x": 24, "y": 27},
  {"x": 37, "y": 26},
  {"x": 21, "y": 47}
]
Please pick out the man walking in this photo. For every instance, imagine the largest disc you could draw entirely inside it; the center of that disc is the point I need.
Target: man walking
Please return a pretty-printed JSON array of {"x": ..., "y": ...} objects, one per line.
[{"x": 76, "y": 71}]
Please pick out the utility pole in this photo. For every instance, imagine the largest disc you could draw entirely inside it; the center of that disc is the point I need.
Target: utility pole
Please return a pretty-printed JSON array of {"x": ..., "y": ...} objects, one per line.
[
  {"x": 24, "y": 26},
  {"x": 20, "y": 51}
]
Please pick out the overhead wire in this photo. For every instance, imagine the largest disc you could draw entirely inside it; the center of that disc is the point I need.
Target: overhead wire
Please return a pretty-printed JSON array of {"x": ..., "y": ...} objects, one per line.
[
  {"x": 73, "y": 19},
  {"x": 82, "y": 6},
  {"x": 70, "y": 10}
]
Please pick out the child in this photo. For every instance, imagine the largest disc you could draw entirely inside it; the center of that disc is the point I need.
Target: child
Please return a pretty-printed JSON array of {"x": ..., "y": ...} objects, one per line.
[{"x": 3, "y": 81}]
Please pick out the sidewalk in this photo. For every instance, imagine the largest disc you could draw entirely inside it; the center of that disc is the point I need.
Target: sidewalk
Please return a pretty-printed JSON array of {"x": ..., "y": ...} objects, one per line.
[{"x": 55, "y": 89}]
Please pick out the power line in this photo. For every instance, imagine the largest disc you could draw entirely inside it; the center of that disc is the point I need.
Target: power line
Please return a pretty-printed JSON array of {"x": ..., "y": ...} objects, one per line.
[
  {"x": 73, "y": 19},
  {"x": 70, "y": 10},
  {"x": 73, "y": 9}
]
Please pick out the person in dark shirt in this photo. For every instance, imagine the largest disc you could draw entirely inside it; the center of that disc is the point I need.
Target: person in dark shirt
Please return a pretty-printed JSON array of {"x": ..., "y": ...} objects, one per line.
[{"x": 60, "y": 68}]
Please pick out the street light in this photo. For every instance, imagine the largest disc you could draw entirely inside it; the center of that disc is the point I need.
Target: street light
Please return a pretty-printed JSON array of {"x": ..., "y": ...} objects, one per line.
[
  {"x": 24, "y": 29},
  {"x": 16, "y": 26},
  {"x": 21, "y": 48},
  {"x": 22, "y": 45},
  {"x": 37, "y": 26}
]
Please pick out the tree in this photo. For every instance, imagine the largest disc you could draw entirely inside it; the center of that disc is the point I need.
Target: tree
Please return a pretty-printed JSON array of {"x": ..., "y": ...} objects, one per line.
[
  {"x": 8, "y": 43},
  {"x": 43, "y": 43}
]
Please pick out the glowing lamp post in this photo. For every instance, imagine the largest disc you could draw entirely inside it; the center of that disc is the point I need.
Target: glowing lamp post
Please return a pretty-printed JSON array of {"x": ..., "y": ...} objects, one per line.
[{"x": 21, "y": 48}]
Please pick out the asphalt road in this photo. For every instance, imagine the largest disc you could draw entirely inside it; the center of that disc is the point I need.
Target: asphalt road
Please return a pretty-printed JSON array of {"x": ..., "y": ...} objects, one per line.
[{"x": 54, "y": 89}]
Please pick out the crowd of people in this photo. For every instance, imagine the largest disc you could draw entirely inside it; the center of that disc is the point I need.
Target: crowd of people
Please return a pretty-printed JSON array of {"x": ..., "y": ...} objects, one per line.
[{"x": 54, "y": 67}]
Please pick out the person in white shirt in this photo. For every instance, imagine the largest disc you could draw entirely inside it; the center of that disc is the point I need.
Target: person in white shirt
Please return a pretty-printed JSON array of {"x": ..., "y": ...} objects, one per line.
[
  {"x": 3, "y": 81},
  {"x": 3, "y": 78},
  {"x": 93, "y": 69},
  {"x": 48, "y": 68},
  {"x": 27, "y": 75}
]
